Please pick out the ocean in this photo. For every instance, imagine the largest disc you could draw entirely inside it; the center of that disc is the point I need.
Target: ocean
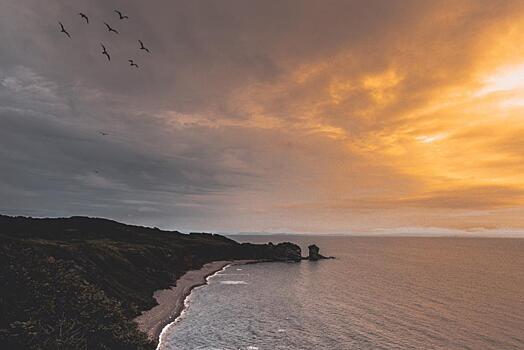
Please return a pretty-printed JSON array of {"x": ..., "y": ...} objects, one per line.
[{"x": 380, "y": 293}]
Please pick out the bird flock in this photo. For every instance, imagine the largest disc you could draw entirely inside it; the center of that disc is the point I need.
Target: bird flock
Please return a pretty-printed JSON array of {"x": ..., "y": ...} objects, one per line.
[{"x": 110, "y": 29}]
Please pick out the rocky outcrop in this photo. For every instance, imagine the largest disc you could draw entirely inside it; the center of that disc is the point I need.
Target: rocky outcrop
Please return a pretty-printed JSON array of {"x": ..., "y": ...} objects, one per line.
[
  {"x": 285, "y": 251},
  {"x": 314, "y": 253},
  {"x": 288, "y": 251}
]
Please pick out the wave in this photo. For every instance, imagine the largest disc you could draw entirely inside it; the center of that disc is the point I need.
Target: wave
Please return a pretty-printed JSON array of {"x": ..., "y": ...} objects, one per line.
[{"x": 186, "y": 305}]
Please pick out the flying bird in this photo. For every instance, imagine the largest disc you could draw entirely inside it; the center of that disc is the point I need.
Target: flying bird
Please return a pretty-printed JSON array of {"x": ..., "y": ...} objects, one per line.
[
  {"x": 142, "y": 47},
  {"x": 104, "y": 52},
  {"x": 63, "y": 30},
  {"x": 109, "y": 29},
  {"x": 133, "y": 64},
  {"x": 84, "y": 17},
  {"x": 121, "y": 15},
  {"x": 103, "y": 133}
]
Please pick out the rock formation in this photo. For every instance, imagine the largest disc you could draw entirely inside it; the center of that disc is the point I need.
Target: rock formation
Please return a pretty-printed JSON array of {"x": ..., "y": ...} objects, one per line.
[
  {"x": 314, "y": 253},
  {"x": 288, "y": 251}
]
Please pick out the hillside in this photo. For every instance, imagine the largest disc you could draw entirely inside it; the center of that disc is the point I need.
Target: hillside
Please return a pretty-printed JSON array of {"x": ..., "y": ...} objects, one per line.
[{"x": 77, "y": 283}]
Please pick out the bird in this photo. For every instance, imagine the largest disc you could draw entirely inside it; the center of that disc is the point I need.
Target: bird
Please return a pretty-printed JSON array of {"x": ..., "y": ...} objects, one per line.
[
  {"x": 63, "y": 30},
  {"x": 121, "y": 15},
  {"x": 103, "y": 133},
  {"x": 104, "y": 52},
  {"x": 142, "y": 47},
  {"x": 109, "y": 29},
  {"x": 84, "y": 17},
  {"x": 132, "y": 63}
]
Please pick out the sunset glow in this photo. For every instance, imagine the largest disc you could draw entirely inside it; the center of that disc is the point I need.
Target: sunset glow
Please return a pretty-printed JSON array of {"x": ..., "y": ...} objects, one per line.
[{"x": 412, "y": 116}]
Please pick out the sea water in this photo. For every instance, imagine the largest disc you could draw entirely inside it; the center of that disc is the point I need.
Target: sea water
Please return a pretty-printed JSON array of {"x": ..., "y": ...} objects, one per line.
[{"x": 380, "y": 293}]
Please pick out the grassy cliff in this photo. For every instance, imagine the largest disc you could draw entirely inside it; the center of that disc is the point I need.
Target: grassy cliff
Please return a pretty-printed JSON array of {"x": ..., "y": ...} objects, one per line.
[{"x": 77, "y": 283}]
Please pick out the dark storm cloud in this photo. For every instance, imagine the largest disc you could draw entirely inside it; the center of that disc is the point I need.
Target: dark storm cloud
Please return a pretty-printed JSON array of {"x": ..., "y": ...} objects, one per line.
[{"x": 57, "y": 94}]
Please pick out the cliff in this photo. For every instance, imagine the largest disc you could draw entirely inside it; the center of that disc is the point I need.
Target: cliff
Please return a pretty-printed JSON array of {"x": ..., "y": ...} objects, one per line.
[{"x": 77, "y": 283}]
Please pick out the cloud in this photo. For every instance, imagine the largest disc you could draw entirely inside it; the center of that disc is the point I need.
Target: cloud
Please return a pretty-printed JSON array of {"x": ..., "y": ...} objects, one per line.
[{"x": 303, "y": 115}]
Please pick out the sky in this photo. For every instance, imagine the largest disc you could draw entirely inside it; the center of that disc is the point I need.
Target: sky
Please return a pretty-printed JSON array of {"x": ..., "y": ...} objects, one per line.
[{"x": 266, "y": 116}]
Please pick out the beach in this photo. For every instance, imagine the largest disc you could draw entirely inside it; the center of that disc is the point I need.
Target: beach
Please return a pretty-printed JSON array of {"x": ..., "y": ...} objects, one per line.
[{"x": 171, "y": 301}]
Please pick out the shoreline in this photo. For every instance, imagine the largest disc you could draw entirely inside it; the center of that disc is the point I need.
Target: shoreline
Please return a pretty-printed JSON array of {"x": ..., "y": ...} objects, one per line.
[{"x": 172, "y": 301}]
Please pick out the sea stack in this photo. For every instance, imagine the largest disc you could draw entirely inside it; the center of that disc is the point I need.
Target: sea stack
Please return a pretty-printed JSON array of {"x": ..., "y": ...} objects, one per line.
[{"x": 314, "y": 253}]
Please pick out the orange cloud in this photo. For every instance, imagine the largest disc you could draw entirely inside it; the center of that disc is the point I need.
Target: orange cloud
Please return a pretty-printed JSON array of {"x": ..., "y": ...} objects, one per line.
[{"x": 436, "y": 110}]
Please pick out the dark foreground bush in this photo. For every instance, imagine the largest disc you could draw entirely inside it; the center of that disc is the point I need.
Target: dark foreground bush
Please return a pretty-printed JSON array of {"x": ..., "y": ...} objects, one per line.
[
  {"x": 78, "y": 283},
  {"x": 46, "y": 304}
]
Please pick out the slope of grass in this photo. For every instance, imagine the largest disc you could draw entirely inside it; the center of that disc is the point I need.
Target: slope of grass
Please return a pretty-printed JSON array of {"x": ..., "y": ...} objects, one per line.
[{"x": 77, "y": 283}]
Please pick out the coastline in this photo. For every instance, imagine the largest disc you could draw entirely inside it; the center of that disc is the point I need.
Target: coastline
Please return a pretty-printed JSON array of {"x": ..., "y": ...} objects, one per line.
[
  {"x": 109, "y": 271},
  {"x": 171, "y": 302}
]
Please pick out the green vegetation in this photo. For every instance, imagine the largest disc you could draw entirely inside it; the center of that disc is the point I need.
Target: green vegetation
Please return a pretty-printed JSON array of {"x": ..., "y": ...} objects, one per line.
[{"x": 78, "y": 283}]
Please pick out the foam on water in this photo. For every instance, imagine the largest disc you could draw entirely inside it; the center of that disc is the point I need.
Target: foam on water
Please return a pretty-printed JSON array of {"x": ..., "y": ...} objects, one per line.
[{"x": 184, "y": 310}]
